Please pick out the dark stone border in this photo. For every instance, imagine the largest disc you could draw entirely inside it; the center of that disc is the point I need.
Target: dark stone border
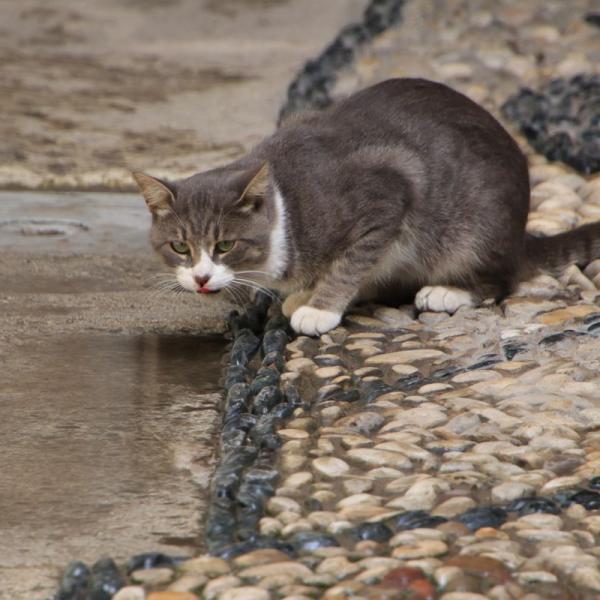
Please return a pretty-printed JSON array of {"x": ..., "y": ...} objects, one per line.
[
  {"x": 561, "y": 120},
  {"x": 312, "y": 86}
]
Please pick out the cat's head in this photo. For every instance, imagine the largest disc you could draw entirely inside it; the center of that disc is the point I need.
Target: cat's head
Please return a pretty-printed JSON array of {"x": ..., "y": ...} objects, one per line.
[{"x": 213, "y": 228}]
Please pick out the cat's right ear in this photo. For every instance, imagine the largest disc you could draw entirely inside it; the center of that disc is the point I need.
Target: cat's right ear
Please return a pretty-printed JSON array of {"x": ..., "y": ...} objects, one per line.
[{"x": 157, "y": 194}]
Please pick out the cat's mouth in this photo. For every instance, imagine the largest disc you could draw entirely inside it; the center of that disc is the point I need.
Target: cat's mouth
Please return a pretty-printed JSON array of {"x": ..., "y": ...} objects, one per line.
[{"x": 205, "y": 290}]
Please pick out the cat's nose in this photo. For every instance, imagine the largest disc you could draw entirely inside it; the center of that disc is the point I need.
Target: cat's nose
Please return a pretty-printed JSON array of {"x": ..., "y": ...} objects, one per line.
[{"x": 201, "y": 281}]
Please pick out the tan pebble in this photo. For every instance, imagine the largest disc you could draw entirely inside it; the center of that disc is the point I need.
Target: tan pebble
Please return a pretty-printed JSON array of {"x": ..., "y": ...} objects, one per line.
[
  {"x": 330, "y": 466},
  {"x": 216, "y": 586},
  {"x": 444, "y": 576},
  {"x": 340, "y": 526},
  {"x": 422, "y": 549},
  {"x": 413, "y": 451},
  {"x": 545, "y": 172},
  {"x": 540, "y": 521},
  {"x": 174, "y": 596},
  {"x": 455, "y": 70},
  {"x": 383, "y": 473},
  {"x": 587, "y": 577},
  {"x": 294, "y": 446},
  {"x": 187, "y": 583},
  {"x": 453, "y": 507},
  {"x": 363, "y": 422},
  {"x": 527, "y": 577},
  {"x": 561, "y": 315},
  {"x": 338, "y": 566},
  {"x": 290, "y": 377},
  {"x": 246, "y": 592},
  {"x": 206, "y": 565},
  {"x": 154, "y": 576},
  {"x": 354, "y": 486},
  {"x": 292, "y": 462},
  {"x": 370, "y": 457},
  {"x": 269, "y": 526},
  {"x": 427, "y": 565},
  {"x": 324, "y": 496},
  {"x": 355, "y": 441},
  {"x": 293, "y": 434},
  {"x": 367, "y": 335},
  {"x": 404, "y": 370},
  {"x": 296, "y": 526},
  {"x": 322, "y": 518},
  {"x": 130, "y": 592},
  {"x": 347, "y": 589},
  {"x": 390, "y": 399},
  {"x": 279, "y": 504},
  {"x": 259, "y": 557},
  {"x": 288, "y": 516},
  {"x": 362, "y": 512},
  {"x": 360, "y": 497},
  {"x": 404, "y": 356},
  {"x": 475, "y": 376},
  {"x": 298, "y": 480},
  {"x": 295, "y": 569},
  {"x": 373, "y": 575},
  {"x": 546, "y": 535},
  {"x": 325, "y": 446},
  {"x": 576, "y": 512},
  {"x": 561, "y": 483},
  {"x": 273, "y": 582},
  {"x": 422, "y": 495},
  {"x": 327, "y": 552},
  {"x": 340, "y": 380},
  {"x": 330, "y": 413},
  {"x": 300, "y": 365},
  {"x": 432, "y": 388},
  {"x": 490, "y": 532},
  {"x": 368, "y": 371},
  {"x": 505, "y": 492}
]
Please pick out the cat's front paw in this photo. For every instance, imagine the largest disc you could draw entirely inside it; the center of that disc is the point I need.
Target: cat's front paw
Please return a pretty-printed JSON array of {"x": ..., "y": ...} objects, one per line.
[
  {"x": 438, "y": 298},
  {"x": 313, "y": 321}
]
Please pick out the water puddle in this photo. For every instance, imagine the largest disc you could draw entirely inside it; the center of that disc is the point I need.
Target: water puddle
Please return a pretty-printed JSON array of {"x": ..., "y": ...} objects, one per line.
[{"x": 106, "y": 442}]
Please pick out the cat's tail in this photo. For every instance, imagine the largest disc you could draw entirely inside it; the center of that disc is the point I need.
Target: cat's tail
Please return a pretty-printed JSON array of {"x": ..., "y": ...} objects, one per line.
[{"x": 553, "y": 254}]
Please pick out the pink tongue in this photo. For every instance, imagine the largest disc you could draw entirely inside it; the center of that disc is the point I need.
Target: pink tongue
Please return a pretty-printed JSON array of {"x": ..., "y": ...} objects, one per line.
[{"x": 204, "y": 290}]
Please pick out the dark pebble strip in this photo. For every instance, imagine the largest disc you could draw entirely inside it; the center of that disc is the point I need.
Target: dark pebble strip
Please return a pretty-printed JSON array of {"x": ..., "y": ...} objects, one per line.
[
  {"x": 312, "y": 87},
  {"x": 561, "y": 120}
]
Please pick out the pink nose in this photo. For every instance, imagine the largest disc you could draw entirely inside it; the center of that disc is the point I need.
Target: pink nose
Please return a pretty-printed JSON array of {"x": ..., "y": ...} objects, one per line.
[{"x": 201, "y": 281}]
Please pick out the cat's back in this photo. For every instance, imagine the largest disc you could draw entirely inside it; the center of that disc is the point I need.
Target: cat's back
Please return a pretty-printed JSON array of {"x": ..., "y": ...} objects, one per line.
[{"x": 396, "y": 110}]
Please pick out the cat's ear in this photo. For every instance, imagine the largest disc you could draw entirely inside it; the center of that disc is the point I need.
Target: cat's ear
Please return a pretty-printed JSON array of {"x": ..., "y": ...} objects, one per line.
[
  {"x": 254, "y": 193},
  {"x": 157, "y": 194}
]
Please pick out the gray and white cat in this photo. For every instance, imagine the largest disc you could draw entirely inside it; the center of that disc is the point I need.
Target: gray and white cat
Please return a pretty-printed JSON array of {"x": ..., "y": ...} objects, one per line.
[{"x": 404, "y": 188}]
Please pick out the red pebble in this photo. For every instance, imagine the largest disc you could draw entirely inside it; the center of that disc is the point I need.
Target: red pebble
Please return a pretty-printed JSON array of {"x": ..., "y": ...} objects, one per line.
[{"x": 401, "y": 577}]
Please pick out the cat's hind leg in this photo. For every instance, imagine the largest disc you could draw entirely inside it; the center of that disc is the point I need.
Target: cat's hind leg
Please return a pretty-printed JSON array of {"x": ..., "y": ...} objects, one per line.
[
  {"x": 439, "y": 298},
  {"x": 448, "y": 298}
]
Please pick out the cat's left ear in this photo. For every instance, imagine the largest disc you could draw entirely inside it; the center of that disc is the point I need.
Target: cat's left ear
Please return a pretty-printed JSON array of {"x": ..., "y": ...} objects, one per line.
[
  {"x": 254, "y": 193},
  {"x": 158, "y": 196}
]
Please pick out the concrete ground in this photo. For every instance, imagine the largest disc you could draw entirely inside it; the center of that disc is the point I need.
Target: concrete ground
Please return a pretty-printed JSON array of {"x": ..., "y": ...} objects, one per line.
[{"x": 92, "y": 89}]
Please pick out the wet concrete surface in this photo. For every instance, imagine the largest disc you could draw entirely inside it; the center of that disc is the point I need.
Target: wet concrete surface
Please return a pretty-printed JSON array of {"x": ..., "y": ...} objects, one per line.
[{"x": 108, "y": 403}]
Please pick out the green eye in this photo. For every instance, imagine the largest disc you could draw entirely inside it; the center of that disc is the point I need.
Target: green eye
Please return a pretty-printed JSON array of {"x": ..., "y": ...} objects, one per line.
[
  {"x": 180, "y": 247},
  {"x": 224, "y": 246}
]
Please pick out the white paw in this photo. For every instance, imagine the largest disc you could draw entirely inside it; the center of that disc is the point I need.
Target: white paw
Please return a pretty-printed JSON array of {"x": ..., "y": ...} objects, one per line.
[
  {"x": 438, "y": 298},
  {"x": 312, "y": 321}
]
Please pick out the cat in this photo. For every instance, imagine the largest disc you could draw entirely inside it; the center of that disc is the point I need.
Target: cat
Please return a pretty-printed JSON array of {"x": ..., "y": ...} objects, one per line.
[{"x": 404, "y": 189}]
